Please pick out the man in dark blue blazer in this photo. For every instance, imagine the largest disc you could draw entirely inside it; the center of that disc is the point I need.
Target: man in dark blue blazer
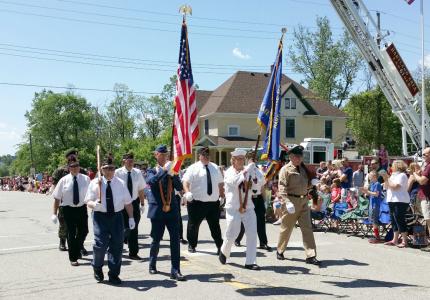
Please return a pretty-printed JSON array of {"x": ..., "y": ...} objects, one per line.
[{"x": 163, "y": 184}]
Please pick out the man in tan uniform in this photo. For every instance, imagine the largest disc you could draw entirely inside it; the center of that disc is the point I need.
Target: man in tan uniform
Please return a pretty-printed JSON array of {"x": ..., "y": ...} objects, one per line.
[{"x": 294, "y": 179}]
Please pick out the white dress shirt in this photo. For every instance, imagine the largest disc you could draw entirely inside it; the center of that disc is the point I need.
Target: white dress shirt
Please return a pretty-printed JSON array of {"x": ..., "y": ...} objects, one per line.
[
  {"x": 120, "y": 193},
  {"x": 232, "y": 180},
  {"x": 64, "y": 189},
  {"x": 196, "y": 176},
  {"x": 136, "y": 177}
]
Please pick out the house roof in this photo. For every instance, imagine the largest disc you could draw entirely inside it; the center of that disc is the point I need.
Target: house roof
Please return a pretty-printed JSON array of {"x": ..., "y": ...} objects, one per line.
[
  {"x": 227, "y": 141},
  {"x": 201, "y": 98},
  {"x": 324, "y": 108},
  {"x": 244, "y": 91}
]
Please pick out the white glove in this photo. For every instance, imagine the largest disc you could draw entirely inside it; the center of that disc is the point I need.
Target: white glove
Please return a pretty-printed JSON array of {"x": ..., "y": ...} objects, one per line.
[
  {"x": 142, "y": 209},
  {"x": 188, "y": 196},
  {"x": 98, "y": 207},
  {"x": 168, "y": 168},
  {"x": 250, "y": 168},
  {"x": 290, "y": 208},
  {"x": 131, "y": 223},
  {"x": 54, "y": 219}
]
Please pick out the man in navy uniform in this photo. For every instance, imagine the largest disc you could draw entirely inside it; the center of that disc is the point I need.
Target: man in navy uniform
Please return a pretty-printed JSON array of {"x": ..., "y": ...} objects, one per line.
[{"x": 163, "y": 183}]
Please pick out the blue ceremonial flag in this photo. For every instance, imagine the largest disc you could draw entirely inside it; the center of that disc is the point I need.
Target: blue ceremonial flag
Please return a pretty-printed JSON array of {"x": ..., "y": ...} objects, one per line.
[{"x": 270, "y": 111}]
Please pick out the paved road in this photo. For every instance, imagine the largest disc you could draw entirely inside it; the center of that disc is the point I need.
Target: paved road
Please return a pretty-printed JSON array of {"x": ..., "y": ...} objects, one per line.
[{"x": 31, "y": 267}]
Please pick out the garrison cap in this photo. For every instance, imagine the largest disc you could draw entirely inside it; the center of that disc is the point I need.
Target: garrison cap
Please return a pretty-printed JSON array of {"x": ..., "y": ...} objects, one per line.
[
  {"x": 71, "y": 151},
  {"x": 128, "y": 155},
  {"x": 161, "y": 149},
  {"x": 108, "y": 161},
  {"x": 203, "y": 151}
]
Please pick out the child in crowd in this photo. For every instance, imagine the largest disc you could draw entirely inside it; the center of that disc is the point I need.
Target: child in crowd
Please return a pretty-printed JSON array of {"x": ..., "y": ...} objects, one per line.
[
  {"x": 335, "y": 191},
  {"x": 374, "y": 190}
]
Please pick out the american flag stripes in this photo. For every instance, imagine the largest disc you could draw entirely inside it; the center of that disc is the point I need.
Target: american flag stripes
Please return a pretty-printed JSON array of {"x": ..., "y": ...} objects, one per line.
[{"x": 186, "y": 129}]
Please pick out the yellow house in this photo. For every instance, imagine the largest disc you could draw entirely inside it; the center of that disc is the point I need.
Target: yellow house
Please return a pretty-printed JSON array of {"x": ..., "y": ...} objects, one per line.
[{"x": 227, "y": 115}]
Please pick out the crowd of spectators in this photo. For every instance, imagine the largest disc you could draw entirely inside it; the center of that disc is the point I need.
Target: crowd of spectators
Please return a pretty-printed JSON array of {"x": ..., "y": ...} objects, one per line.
[{"x": 40, "y": 184}]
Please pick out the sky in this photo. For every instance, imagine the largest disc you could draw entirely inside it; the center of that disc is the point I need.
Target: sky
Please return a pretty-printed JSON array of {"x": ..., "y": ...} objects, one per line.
[{"x": 95, "y": 44}]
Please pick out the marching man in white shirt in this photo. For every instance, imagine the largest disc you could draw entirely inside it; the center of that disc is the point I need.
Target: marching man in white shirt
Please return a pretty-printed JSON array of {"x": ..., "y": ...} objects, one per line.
[
  {"x": 203, "y": 185},
  {"x": 108, "y": 221},
  {"x": 70, "y": 194},
  {"x": 135, "y": 184},
  {"x": 235, "y": 182}
]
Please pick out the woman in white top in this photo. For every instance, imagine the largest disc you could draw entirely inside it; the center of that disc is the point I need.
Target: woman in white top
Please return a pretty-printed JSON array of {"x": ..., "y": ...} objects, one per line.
[{"x": 398, "y": 201}]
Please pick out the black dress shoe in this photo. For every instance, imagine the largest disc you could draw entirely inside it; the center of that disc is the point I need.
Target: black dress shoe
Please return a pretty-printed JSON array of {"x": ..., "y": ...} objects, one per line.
[
  {"x": 183, "y": 242},
  {"x": 115, "y": 280},
  {"x": 84, "y": 252},
  {"x": 62, "y": 246},
  {"x": 134, "y": 257},
  {"x": 222, "y": 258},
  {"x": 177, "y": 276},
  {"x": 266, "y": 247},
  {"x": 237, "y": 244},
  {"x": 253, "y": 267},
  {"x": 152, "y": 270},
  {"x": 98, "y": 275},
  {"x": 280, "y": 256},
  {"x": 313, "y": 261},
  {"x": 191, "y": 249}
]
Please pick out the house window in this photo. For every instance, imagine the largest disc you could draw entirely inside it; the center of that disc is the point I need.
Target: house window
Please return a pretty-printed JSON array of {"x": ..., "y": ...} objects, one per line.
[
  {"x": 290, "y": 103},
  {"x": 233, "y": 130},
  {"x": 207, "y": 127},
  {"x": 328, "y": 129},
  {"x": 290, "y": 128}
]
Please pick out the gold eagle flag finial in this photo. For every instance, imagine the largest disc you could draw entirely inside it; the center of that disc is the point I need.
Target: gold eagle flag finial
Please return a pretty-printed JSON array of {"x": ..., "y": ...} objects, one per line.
[{"x": 186, "y": 9}]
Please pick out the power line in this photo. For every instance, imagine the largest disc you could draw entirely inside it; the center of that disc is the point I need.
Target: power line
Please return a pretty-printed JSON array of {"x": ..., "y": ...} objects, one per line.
[
  {"x": 130, "y": 18},
  {"x": 133, "y": 26},
  {"x": 86, "y": 55},
  {"x": 69, "y": 88}
]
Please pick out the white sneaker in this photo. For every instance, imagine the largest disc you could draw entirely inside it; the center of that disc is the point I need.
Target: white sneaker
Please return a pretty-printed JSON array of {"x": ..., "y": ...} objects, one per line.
[{"x": 279, "y": 221}]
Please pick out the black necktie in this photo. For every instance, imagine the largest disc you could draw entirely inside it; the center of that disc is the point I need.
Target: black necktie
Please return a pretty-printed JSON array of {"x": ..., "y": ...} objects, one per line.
[
  {"x": 75, "y": 191},
  {"x": 130, "y": 184},
  {"x": 209, "y": 180},
  {"x": 109, "y": 199}
]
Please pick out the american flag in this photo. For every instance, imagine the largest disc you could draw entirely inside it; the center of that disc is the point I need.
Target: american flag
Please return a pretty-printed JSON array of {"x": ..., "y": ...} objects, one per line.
[{"x": 186, "y": 129}]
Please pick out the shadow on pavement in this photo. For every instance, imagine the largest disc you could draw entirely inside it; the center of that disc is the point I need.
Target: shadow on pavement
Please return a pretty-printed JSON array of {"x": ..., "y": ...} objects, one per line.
[
  {"x": 279, "y": 291},
  {"x": 334, "y": 262},
  {"x": 146, "y": 285},
  {"x": 214, "y": 278},
  {"x": 367, "y": 283},
  {"x": 291, "y": 270}
]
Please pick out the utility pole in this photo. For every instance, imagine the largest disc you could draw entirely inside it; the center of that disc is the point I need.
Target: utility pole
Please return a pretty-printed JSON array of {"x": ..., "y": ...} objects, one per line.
[
  {"x": 31, "y": 156},
  {"x": 378, "y": 99}
]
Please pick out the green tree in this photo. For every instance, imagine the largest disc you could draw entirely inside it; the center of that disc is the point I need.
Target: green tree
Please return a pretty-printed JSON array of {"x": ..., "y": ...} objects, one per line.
[
  {"x": 362, "y": 121},
  {"x": 156, "y": 112},
  {"x": 329, "y": 67}
]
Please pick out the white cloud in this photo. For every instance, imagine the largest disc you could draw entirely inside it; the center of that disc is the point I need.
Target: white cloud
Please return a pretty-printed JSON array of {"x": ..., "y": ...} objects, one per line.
[
  {"x": 9, "y": 137},
  {"x": 426, "y": 61},
  {"x": 239, "y": 54}
]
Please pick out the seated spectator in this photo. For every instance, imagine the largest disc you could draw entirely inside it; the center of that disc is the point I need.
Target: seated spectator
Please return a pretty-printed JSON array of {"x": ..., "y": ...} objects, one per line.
[
  {"x": 319, "y": 207},
  {"x": 321, "y": 170},
  {"x": 335, "y": 191}
]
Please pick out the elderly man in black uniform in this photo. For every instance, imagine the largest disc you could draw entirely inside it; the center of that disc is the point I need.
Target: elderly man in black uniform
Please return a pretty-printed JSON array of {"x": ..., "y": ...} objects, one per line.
[
  {"x": 71, "y": 155},
  {"x": 163, "y": 212}
]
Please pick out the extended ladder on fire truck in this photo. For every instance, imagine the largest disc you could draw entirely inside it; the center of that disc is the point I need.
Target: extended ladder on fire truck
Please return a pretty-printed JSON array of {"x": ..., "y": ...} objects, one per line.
[{"x": 387, "y": 66}]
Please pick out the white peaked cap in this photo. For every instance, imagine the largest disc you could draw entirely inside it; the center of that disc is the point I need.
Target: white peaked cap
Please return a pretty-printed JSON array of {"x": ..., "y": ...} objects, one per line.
[{"x": 238, "y": 152}]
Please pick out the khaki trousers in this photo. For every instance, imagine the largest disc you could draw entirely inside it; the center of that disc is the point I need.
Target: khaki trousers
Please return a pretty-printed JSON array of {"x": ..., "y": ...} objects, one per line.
[{"x": 302, "y": 215}]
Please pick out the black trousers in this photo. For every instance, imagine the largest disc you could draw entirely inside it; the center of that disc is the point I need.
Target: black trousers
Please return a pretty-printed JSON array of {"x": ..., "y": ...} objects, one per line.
[
  {"x": 260, "y": 212},
  {"x": 132, "y": 235},
  {"x": 397, "y": 215},
  {"x": 181, "y": 227},
  {"x": 76, "y": 219},
  {"x": 197, "y": 212}
]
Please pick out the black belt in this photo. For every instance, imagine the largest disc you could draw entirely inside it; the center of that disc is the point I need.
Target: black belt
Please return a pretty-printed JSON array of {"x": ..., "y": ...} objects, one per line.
[{"x": 297, "y": 196}]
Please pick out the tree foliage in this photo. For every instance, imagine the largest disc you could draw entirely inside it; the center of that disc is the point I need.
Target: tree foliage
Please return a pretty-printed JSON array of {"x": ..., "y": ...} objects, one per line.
[
  {"x": 60, "y": 121},
  {"x": 329, "y": 67},
  {"x": 361, "y": 110}
]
